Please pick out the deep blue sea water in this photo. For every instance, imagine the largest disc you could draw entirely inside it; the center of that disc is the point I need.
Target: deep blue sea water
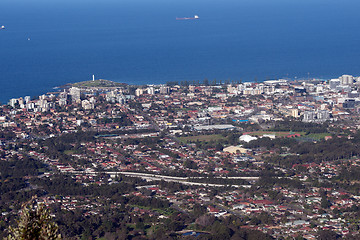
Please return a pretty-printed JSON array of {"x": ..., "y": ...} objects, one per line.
[{"x": 140, "y": 41}]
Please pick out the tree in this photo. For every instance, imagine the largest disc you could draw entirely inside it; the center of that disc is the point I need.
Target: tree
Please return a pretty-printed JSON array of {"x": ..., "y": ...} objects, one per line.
[
  {"x": 206, "y": 82},
  {"x": 325, "y": 203},
  {"x": 35, "y": 224},
  {"x": 205, "y": 220},
  {"x": 190, "y": 164},
  {"x": 327, "y": 235}
]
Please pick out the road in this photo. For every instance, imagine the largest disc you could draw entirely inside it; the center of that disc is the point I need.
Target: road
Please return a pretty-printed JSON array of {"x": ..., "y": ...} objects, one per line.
[{"x": 154, "y": 177}]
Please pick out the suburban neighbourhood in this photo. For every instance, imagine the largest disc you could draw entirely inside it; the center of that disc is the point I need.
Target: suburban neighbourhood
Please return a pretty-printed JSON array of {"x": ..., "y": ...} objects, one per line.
[{"x": 279, "y": 157}]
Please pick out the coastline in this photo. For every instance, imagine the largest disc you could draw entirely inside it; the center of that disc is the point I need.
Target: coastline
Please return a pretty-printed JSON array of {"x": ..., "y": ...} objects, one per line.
[{"x": 57, "y": 89}]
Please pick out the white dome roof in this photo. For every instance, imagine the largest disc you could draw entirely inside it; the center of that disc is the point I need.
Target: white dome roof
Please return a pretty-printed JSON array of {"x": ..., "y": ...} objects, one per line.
[{"x": 247, "y": 138}]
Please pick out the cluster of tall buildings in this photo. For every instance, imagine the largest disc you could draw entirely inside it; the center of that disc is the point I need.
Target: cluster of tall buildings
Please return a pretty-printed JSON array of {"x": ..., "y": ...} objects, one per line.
[
  {"x": 151, "y": 90},
  {"x": 249, "y": 89},
  {"x": 344, "y": 83},
  {"x": 316, "y": 116},
  {"x": 115, "y": 97},
  {"x": 42, "y": 105}
]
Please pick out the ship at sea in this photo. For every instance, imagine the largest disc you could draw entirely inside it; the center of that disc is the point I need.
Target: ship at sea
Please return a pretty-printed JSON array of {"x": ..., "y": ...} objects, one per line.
[
  {"x": 188, "y": 18},
  {"x": 2, "y": 27}
]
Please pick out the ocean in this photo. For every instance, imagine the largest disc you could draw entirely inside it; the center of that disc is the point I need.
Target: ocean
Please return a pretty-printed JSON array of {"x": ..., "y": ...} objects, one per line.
[{"x": 50, "y": 43}]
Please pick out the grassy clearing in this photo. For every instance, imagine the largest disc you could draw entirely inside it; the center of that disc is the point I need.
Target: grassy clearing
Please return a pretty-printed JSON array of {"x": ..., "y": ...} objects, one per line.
[
  {"x": 69, "y": 152},
  {"x": 278, "y": 134},
  {"x": 165, "y": 211},
  {"x": 98, "y": 83},
  {"x": 318, "y": 136},
  {"x": 201, "y": 138},
  {"x": 315, "y": 136},
  {"x": 41, "y": 170}
]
